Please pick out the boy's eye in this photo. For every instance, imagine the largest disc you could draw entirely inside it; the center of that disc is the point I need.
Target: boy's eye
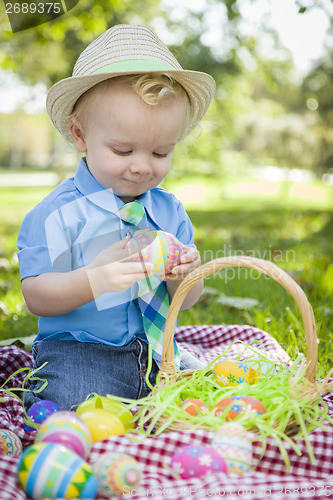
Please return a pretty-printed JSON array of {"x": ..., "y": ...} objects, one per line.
[
  {"x": 121, "y": 153},
  {"x": 160, "y": 155}
]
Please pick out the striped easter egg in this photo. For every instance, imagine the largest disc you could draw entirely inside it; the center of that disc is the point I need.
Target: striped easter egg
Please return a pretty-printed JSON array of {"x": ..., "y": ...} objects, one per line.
[
  {"x": 66, "y": 428},
  {"x": 232, "y": 443},
  {"x": 49, "y": 470}
]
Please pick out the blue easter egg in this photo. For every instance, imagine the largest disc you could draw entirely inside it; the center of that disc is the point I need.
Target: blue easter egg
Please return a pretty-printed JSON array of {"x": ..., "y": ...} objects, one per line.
[
  {"x": 49, "y": 470},
  {"x": 38, "y": 412}
]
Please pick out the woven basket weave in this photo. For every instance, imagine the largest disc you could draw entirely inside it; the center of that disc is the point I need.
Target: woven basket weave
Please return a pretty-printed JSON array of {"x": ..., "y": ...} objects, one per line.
[
  {"x": 264, "y": 266},
  {"x": 310, "y": 388}
]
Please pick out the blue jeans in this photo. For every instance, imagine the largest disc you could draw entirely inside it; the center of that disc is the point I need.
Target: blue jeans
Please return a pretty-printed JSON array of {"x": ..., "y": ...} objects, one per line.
[{"x": 76, "y": 369}]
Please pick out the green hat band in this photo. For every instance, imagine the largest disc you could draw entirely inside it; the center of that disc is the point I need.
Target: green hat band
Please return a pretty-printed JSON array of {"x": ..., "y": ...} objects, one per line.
[{"x": 134, "y": 65}]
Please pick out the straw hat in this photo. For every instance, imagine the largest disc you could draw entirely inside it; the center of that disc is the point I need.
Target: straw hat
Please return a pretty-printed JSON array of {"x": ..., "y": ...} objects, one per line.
[{"x": 121, "y": 50}]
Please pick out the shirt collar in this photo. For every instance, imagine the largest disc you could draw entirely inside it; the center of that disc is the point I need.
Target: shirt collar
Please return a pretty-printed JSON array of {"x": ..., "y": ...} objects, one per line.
[{"x": 89, "y": 187}]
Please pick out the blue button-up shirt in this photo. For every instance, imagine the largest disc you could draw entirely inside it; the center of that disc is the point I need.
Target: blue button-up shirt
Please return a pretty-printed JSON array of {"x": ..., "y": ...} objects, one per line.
[{"x": 68, "y": 229}]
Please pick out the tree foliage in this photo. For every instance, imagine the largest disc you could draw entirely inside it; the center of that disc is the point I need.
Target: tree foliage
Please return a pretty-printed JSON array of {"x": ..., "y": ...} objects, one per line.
[{"x": 260, "y": 113}]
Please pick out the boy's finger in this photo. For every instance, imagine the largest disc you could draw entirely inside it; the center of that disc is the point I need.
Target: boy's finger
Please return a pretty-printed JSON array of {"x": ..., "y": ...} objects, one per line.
[
  {"x": 190, "y": 256},
  {"x": 182, "y": 268},
  {"x": 138, "y": 267},
  {"x": 128, "y": 257},
  {"x": 119, "y": 244}
]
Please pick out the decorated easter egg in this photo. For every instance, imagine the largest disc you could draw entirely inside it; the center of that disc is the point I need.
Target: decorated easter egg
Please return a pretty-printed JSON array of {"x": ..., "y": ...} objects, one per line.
[
  {"x": 10, "y": 443},
  {"x": 66, "y": 428},
  {"x": 107, "y": 403},
  {"x": 102, "y": 424},
  {"x": 38, "y": 412},
  {"x": 232, "y": 443},
  {"x": 49, "y": 470},
  {"x": 159, "y": 247},
  {"x": 234, "y": 406},
  {"x": 231, "y": 373},
  {"x": 117, "y": 474},
  {"x": 195, "y": 461},
  {"x": 194, "y": 406}
]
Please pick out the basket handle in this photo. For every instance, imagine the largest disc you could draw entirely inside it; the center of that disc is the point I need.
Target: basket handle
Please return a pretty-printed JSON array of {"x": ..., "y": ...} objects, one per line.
[{"x": 266, "y": 267}]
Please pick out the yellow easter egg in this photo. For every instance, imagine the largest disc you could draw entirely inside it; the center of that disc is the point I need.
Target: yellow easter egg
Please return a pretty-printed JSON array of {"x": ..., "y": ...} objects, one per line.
[
  {"x": 102, "y": 424},
  {"x": 230, "y": 373},
  {"x": 107, "y": 403}
]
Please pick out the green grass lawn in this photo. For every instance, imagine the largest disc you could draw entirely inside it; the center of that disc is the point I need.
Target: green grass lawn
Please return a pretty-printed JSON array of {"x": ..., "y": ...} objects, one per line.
[{"x": 291, "y": 230}]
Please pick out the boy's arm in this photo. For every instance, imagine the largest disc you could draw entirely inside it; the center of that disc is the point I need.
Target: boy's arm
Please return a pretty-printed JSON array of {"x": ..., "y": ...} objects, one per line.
[
  {"x": 53, "y": 294},
  {"x": 190, "y": 260},
  {"x": 192, "y": 296}
]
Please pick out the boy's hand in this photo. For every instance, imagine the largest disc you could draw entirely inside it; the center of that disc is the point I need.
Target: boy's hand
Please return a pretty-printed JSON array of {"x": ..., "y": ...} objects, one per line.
[
  {"x": 110, "y": 271},
  {"x": 113, "y": 253},
  {"x": 189, "y": 261}
]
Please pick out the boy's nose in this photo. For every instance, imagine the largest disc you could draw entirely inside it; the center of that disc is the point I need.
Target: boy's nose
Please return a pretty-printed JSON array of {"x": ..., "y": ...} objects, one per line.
[{"x": 141, "y": 166}]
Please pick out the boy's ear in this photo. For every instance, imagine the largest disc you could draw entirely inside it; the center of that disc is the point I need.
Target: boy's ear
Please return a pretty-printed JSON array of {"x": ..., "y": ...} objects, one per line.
[{"x": 78, "y": 135}]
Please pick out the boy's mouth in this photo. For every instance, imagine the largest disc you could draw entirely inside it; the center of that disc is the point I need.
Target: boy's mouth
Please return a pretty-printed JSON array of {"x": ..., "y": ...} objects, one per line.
[{"x": 138, "y": 181}]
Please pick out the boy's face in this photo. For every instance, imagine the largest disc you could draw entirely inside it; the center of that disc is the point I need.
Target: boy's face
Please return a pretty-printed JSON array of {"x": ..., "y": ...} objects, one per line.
[{"x": 129, "y": 144}]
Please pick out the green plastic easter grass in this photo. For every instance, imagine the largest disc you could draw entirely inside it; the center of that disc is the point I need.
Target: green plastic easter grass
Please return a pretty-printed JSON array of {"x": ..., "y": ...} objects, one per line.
[
  {"x": 13, "y": 390},
  {"x": 291, "y": 413}
]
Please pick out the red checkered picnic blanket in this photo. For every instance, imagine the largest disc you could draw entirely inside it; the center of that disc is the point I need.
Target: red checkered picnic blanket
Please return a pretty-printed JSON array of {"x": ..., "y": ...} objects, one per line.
[{"x": 270, "y": 479}]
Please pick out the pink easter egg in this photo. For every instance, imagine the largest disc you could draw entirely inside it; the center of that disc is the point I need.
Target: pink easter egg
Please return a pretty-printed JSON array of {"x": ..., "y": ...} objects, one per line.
[
  {"x": 66, "y": 428},
  {"x": 159, "y": 247},
  {"x": 195, "y": 461}
]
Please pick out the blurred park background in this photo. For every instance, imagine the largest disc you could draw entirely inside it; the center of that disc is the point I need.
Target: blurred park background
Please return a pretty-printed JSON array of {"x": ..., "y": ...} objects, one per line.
[{"x": 256, "y": 180}]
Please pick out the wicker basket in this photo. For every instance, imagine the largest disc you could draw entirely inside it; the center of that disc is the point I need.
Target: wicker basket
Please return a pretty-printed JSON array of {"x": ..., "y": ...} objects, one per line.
[
  {"x": 310, "y": 388},
  {"x": 264, "y": 266}
]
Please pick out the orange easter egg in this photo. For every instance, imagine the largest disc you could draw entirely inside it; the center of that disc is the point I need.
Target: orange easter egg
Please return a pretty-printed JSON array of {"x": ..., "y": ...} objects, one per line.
[
  {"x": 239, "y": 405},
  {"x": 194, "y": 406}
]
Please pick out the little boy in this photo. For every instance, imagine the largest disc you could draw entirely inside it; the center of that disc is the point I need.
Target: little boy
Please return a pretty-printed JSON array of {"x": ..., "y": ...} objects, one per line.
[{"x": 126, "y": 106}]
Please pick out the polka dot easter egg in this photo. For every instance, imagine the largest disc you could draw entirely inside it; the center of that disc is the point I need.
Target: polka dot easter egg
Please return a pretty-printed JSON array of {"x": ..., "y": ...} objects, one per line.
[
  {"x": 195, "y": 461},
  {"x": 10, "y": 443},
  {"x": 232, "y": 444},
  {"x": 235, "y": 406},
  {"x": 159, "y": 247},
  {"x": 66, "y": 428},
  {"x": 117, "y": 474},
  {"x": 232, "y": 373},
  {"x": 49, "y": 470},
  {"x": 38, "y": 412}
]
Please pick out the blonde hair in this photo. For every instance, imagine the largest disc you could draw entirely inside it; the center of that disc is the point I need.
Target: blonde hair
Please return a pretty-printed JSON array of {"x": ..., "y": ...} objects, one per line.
[{"x": 151, "y": 88}]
